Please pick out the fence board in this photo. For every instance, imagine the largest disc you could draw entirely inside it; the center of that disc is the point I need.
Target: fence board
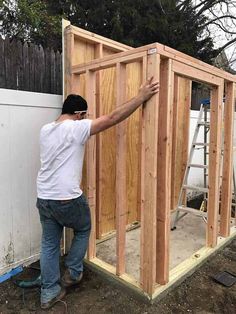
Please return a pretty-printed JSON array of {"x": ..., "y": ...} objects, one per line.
[
  {"x": 59, "y": 73},
  {"x": 30, "y": 67},
  {"x": 19, "y": 63},
  {"x": 26, "y": 71},
  {"x": 2, "y": 64}
]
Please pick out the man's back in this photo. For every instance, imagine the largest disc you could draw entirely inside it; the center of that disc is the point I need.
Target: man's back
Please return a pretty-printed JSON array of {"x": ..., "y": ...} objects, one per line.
[{"x": 61, "y": 154}]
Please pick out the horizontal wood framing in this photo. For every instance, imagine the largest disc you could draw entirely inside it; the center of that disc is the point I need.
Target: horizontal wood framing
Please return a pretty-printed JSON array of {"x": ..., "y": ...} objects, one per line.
[
  {"x": 177, "y": 274},
  {"x": 97, "y": 39},
  {"x": 106, "y": 80},
  {"x": 176, "y": 55},
  {"x": 196, "y": 74},
  {"x": 198, "y": 71},
  {"x": 108, "y": 62}
]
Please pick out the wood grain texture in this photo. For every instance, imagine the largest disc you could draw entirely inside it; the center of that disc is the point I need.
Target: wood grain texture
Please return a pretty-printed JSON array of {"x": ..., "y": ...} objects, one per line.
[
  {"x": 180, "y": 138},
  {"x": 121, "y": 173},
  {"x": 214, "y": 164},
  {"x": 226, "y": 189},
  {"x": 133, "y": 153},
  {"x": 164, "y": 171},
  {"x": 149, "y": 179},
  {"x": 107, "y": 176},
  {"x": 91, "y": 163}
]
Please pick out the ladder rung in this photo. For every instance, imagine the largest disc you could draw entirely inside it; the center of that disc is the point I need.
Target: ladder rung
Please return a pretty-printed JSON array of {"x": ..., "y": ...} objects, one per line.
[
  {"x": 195, "y": 188},
  {"x": 206, "y": 174},
  {"x": 204, "y": 123},
  {"x": 200, "y": 144},
  {"x": 193, "y": 211},
  {"x": 198, "y": 166},
  {"x": 232, "y": 204}
]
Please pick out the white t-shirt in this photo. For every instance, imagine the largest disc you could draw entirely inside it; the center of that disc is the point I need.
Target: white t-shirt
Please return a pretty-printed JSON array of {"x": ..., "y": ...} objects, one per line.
[{"x": 62, "y": 153}]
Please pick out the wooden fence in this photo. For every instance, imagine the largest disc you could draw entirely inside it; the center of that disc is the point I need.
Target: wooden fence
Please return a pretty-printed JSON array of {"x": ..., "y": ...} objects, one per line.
[{"x": 30, "y": 67}]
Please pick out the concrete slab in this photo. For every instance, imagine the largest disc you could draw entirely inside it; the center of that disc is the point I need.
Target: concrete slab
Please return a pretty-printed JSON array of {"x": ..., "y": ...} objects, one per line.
[{"x": 184, "y": 241}]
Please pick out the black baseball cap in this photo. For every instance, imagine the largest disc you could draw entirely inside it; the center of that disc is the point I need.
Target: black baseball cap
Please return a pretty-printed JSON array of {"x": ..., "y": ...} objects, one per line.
[{"x": 74, "y": 103}]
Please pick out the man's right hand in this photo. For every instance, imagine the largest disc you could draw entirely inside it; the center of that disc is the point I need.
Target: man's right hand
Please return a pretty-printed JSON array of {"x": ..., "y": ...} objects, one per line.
[{"x": 148, "y": 89}]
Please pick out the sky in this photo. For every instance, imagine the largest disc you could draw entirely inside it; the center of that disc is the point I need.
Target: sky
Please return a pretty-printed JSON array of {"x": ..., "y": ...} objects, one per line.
[{"x": 221, "y": 37}]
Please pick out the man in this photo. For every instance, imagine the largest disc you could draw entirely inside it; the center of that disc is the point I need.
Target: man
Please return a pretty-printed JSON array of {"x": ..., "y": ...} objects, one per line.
[{"x": 60, "y": 200}]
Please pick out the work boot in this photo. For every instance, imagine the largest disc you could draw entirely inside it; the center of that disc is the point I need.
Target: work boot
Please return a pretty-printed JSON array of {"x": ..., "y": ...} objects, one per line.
[
  {"x": 67, "y": 281},
  {"x": 49, "y": 304}
]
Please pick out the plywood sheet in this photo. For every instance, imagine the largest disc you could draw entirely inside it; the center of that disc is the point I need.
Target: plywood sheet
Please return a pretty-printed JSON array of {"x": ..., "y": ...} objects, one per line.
[
  {"x": 83, "y": 48},
  {"x": 181, "y": 109}
]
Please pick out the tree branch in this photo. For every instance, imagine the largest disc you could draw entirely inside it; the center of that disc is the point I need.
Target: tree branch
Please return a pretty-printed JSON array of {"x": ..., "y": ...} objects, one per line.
[
  {"x": 219, "y": 18},
  {"x": 208, "y": 5},
  {"x": 227, "y": 44},
  {"x": 224, "y": 29}
]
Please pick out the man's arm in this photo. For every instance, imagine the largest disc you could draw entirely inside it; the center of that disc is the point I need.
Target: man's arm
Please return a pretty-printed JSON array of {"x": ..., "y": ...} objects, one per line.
[{"x": 122, "y": 112}]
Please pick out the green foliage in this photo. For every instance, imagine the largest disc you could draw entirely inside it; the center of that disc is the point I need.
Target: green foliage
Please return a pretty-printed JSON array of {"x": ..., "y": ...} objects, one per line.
[
  {"x": 29, "y": 20},
  {"x": 134, "y": 23}
]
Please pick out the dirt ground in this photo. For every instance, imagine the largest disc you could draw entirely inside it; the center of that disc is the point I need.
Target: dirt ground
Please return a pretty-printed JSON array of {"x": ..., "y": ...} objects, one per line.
[{"x": 198, "y": 294}]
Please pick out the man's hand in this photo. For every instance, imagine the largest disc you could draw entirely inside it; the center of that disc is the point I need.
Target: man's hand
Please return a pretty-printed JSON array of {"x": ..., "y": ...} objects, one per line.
[
  {"x": 148, "y": 89},
  {"x": 125, "y": 110}
]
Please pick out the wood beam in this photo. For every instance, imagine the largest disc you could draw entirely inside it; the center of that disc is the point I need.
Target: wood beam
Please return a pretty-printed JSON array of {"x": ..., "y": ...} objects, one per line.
[
  {"x": 68, "y": 57},
  {"x": 195, "y": 74},
  {"x": 111, "y": 60},
  {"x": 164, "y": 171},
  {"x": 135, "y": 57},
  {"x": 65, "y": 23},
  {"x": 226, "y": 190},
  {"x": 98, "y": 55},
  {"x": 95, "y": 38},
  {"x": 149, "y": 179},
  {"x": 91, "y": 162},
  {"x": 67, "y": 89},
  {"x": 214, "y": 164},
  {"x": 142, "y": 170},
  {"x": 194, "y": 63},
  {"x": 121, "y": 202}
]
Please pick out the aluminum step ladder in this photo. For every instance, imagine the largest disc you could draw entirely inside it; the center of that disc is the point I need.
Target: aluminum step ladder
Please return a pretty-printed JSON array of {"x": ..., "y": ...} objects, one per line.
[{"x": 182, "y": 210}]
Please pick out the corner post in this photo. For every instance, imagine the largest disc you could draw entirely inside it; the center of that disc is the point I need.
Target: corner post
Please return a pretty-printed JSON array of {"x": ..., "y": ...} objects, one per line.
[
  {"x": 164, "y": 171},
  {"x": 226, "y": 192},
  {"x": 214, "y": 164},
  {"x": 149, "y": 179}
]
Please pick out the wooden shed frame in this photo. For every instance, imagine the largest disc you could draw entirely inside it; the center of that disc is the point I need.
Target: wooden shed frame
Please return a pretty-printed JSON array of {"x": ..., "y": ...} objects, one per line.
[{"x": 158, "y": 117}]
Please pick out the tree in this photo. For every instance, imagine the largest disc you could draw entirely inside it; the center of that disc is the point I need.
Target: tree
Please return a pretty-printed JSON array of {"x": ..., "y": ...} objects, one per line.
[
  {"x": 185, "y": 25},
  {"x": 29, "y": 20},
  {"x": 220, "y": 24}
]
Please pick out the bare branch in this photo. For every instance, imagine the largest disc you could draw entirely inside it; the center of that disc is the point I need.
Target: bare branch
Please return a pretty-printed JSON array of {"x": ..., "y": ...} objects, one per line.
[
  {"x": 224, "y": 29},
  {"x": 206, "y": 5},
  {"x": 227, "y": 44},
  {"x": 218, "y": 19}
]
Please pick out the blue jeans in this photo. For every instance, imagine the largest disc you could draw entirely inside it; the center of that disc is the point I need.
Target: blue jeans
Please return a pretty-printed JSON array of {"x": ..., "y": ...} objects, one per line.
[{"x": 54, "y": 215}]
